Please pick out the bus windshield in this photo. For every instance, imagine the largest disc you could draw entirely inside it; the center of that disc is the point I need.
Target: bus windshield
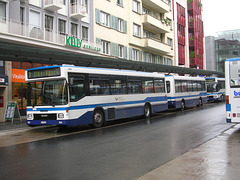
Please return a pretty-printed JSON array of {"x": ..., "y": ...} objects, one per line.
[
  {"x": 212, "y": 87},
  {"x": 45, "y": 93}
]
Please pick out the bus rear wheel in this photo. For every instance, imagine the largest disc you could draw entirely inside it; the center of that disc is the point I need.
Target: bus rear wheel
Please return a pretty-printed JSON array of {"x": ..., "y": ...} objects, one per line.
[
  {"x": 182, "y": 105},
  {"x": 98, "y": 118},
  {"x": 147, "y": 111}
]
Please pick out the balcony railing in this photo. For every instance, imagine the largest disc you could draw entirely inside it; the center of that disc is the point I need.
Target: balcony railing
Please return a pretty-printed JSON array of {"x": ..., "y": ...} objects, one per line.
[
  {"x": 33, "y": 32},
  {"x": 53, "y": 5},
  {"x": 156, "y": 24},
  {"x": 10, "y": 26},
  {"x": 78, "y": 11}
]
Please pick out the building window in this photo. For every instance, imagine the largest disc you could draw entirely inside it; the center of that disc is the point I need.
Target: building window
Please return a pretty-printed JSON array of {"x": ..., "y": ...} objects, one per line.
[
  {"x": 169, "y": 41},
  {"x": 74, "y": 29},
  {"x": 135, "y": 55},
  {"x": 85, "y": 33},
  {"x": 120, "y": 25},
  {"x": 149, "y": 58},
  {"x": 104, "y": 19},
  {"x": 48, "y": 23},
  {"x": 120, "y": 51},
  {"x": 136, "y": 6},
  {"x": 106, "y": 47},
  {"x": 61, "y": 26},
  {"x": 2, "y": 11},
  {"x": 120, "y": 2},
  {"x": 136, "y": 30}
]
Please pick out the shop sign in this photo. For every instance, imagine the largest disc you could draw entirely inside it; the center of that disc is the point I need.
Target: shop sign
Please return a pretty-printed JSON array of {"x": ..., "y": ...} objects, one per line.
[
  {"x": 18, "y": 75},
  {"x": 2, "y": 80},
  {"x": 12, "y": 111},
  {"x": 79, "y": 43}
]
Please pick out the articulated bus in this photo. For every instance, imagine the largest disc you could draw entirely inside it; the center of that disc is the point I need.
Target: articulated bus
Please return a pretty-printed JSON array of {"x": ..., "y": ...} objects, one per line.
[
  {"x": 232, "y": 77},
  {"x": 185, "y": 91},
  {"x": 215, "y": 88},
  {"x": 69, "y": 95}
]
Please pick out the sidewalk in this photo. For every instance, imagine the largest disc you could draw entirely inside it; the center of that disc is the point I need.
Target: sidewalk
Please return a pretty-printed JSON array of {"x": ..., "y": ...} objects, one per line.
[
  {"x": 217, "y": 159},
  {"x": 13, "y": 127}
]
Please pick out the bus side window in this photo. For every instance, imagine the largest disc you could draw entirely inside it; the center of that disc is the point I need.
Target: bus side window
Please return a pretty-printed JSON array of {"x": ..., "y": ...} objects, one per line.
[
  {"x": 76, "y": 87},
  {"x": 168, "y": 86}
]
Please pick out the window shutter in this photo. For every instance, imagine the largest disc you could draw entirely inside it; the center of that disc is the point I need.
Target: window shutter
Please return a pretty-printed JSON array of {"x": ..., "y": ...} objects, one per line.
[
  {"x": 97, "y": 16},
  {"x": 145, "y": 57},
  {"x": 98, "y": 41},
  {"x": 124, "y": 26},
  {"x": 140, "y": 56},
  {"x": 130, "y": 54},
  {"x": 112, "y": 21},
  {"x": 125, "y": 52}
]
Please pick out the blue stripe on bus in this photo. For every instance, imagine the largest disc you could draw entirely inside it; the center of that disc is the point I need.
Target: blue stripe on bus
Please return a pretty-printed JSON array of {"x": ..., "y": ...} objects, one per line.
[
  {"x": 181, "y": 97},
  {"x": 228, "y": 107},
  {"x": 149, "y": 99},
  {"x": 49, "y": 109}
]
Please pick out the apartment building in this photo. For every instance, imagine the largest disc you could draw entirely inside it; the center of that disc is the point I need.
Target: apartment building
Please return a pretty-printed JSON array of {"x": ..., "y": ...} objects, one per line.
[
  {"x": 188, "y": 34},
  {"x": 137, "y": 30},
  {"x": 34, "y": 30},
  {"x": 196, "y": 35}
]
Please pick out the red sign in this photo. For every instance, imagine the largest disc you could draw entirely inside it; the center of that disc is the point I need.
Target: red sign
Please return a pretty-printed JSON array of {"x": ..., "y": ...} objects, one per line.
[
  {"x": 1, "y": 101},
  {"x": 18, "y": 75}
]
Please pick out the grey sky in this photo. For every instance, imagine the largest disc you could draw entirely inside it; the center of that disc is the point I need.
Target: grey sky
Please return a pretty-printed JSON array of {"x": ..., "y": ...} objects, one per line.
[{"x": 220, "y": 15}]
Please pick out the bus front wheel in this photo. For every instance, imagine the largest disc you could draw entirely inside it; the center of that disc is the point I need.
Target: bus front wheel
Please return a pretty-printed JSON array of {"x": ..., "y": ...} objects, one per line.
[{"x": 98, "y": 118}]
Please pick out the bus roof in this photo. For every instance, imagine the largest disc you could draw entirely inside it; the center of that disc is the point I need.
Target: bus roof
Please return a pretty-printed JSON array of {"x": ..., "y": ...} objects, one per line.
[
  {"x": 185, "y": 77},
  {"x": 95, "y": 70},
  {"x": 233, "y": 59}
]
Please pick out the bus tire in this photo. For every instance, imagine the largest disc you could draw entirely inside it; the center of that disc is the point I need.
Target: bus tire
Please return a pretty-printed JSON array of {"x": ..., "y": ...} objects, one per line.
[
  {"x": 183, "y": 105},
  {"x": 98, "y": 118},
  {"x": 147, "y": 111},
  {"x": 200, "y": 102}
]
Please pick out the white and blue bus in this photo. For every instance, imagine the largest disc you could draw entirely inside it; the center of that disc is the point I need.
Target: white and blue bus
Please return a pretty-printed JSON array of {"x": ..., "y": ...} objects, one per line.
[
  {"x": 183, "y": 91},
  {"x": 232, "y": 78},
  {"x": 69, "y": 95},
  {"x": 215, "y": 88}
]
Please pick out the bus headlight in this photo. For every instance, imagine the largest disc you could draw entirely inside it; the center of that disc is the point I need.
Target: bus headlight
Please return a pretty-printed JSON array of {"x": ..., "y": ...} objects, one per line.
[{"x": 60, "y": 115}]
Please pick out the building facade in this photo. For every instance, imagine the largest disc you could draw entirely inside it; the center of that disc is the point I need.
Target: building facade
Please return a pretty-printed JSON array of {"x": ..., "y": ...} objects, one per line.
[
  {"x": 227, "y": 46},
  {"x": 188, "y": 34},
  {"x": 138, "y": 30},
  {"x": 195, "y": 33},
  {"x": 210, "y": 53},
  {"x": 224, "y": 45},
  {"x": 36, "y": 33},
  {"x": 51, "y": 25}
]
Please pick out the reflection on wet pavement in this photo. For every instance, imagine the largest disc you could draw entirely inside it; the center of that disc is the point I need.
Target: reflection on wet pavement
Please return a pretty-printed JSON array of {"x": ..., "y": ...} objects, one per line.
[{"x": 219, "y": 159}]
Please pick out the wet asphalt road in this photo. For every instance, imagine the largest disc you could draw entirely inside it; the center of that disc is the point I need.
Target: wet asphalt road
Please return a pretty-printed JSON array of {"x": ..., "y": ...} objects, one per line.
[{"x": 123, "y": 151}]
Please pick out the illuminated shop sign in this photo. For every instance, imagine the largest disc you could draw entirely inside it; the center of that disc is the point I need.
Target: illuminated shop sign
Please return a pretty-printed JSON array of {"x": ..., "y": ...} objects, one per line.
[
  {"x": 41, "y": 73},
  {"x": 79, "y": 43}
]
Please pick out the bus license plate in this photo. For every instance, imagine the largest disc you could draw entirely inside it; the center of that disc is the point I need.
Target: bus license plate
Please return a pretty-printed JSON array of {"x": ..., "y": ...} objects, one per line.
[{"x": 43, "y": 122}]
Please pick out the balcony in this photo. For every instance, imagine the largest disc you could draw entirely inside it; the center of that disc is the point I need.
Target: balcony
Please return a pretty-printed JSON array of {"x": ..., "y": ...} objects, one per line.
[
  {"x": 161, "y": 6},
  {"x": 78, "y": 11},
  {"x": 152, "y": 23},
  {"x": 53, "y": 5},
  {"x": 154, "y": 45}
]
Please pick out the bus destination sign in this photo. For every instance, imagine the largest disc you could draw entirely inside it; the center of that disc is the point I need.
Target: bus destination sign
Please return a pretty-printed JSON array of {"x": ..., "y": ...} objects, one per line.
[{"x": 41, "y": 73}]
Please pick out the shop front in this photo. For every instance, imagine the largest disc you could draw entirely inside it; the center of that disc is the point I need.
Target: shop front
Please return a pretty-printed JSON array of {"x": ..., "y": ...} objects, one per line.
[
  {"x": 3, "y": 95},
  {"x": 19, "y": 90}
]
